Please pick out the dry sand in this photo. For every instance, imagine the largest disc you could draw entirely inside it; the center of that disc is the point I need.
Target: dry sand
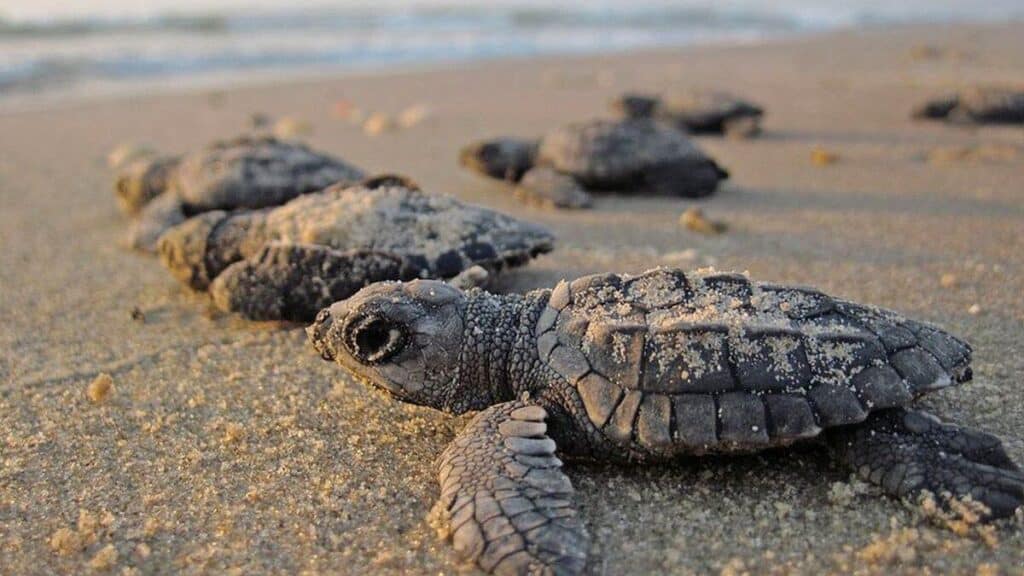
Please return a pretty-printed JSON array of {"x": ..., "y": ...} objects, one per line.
[{"x": 220, "y": 446}]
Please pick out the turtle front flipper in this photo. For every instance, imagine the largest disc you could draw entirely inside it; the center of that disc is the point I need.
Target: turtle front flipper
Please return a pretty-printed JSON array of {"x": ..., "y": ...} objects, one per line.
[
  {"x": 744, "y": 126},
  {"x": 505, "y": 501},
  {"x": 156, "y": 217},
  {"x": 502, "y": 158},
  {"x": 907, "y": 452},
  {"x": 546, "y": 186},
  {"x": 295, "y": 281}
]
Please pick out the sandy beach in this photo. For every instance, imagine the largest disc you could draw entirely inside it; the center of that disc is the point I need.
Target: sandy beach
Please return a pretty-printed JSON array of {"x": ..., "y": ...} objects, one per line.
[{"x": 225, "y": 446}]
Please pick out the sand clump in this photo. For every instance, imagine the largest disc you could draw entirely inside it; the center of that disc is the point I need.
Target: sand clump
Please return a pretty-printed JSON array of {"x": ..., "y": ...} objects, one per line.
[
  {"x": 378, "y": 123},
  {"x": 105, "y": 558},
  {"x": 414, "y": 115},
  {"x": 290, "y": 127},
  {"x": 233, "y": 433},
  {"x": 100, "y": 388},
  {"x": 695, "y": 220},
  {"x": 823, "y": 157}
]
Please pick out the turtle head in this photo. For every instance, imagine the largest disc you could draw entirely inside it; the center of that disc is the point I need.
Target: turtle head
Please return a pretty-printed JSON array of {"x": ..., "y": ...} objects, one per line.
[
  {"x": 404, "y": 338},
  {"x": 502, "y": 158},
  {"x": 634, "y": 106},
  {"x": 142, "y": 179}
]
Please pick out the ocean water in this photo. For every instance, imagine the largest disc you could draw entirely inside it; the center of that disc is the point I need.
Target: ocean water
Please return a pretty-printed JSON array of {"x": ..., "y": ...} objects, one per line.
[{"x": 55, "y": 46}]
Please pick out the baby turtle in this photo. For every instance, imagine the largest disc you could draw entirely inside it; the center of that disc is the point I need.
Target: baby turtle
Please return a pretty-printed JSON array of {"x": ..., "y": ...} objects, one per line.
[
  {"x": 246, "y": 172},
  {"x": 695, "y": 111},
  {"x": 655, "y": 367},
  {"x": 981, "y": 105},
  {"x": 626, "y": 156},
  {"x": 289, "y": 262}
]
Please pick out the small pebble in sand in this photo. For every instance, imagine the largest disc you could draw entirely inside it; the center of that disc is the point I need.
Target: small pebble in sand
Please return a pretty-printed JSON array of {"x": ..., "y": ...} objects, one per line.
[
  {"x": 99, "y": 388},
  {"x": 143, "y": 550},
  {"x": 137, "y": 314},
  {"x": 123, "y": 154},
  {"x": 104, "y": 559},
  {"x": 974, "y": 310},
  {"x": 289, "y": 127},
  {"x": 948, "y": 280},
  {"x": 822, "y": 157},
  {"x": 694, "y": 219},
  {"x": 378, "y": 123},
  {"x": 413, "y": 115}
]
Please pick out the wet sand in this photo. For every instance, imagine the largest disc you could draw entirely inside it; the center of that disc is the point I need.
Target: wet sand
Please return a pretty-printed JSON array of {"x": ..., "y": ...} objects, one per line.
[{"x": 229, "y": 447}]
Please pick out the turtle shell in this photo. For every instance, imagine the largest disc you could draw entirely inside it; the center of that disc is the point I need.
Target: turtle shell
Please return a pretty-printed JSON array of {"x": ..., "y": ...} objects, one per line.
[
  {"x": 606, "y": 153},
  {"x": 436, "y": 234},
  {"x": 991, "y": 105},
  {"x": 669, "y": 362},
  {"x": 255, "y": 172},
  {"x": 704, "y": 110}
]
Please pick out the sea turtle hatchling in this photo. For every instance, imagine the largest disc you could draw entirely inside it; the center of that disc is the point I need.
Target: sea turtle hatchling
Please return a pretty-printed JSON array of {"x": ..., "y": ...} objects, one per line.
[
  {"x": 624, "y": 156},
  {"x": 695, "y": 111},
  {"x": 288, "y": 262},
  {"x": 654, "y": 367},
  {"x": 245, "y": 172},
  {"x": 979, "y": 105}
]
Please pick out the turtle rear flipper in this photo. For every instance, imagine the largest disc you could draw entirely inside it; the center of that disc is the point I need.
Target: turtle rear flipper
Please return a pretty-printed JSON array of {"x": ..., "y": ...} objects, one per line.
[
  {"x": 746, "y": 126},
  {"x": 908, "y": 452},
  {"x": 504, "y": 499},
  {"x": 295, "y": 281},
  {"x": 691, "y": 178},
  {"x": 545, "y": 185}
]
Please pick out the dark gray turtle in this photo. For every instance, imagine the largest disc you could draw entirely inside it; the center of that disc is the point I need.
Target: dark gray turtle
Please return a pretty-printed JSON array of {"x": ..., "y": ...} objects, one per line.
[
  {"x": 247, "y": 172},
  {"x": 648, "y": 368},
  {"x": 625, "y": 156},
  {"x": 289, "y": 262},
  {"x": 981, "y": 105},
  {"x": 695, "y": 111}
]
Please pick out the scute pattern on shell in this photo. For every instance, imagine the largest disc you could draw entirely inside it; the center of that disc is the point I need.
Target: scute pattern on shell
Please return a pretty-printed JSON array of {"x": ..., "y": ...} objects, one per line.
[
  {"x": 669, "y": 362},
  {"x": 437, "y": 231},
  {"x": 610, "y": 151},
  {"x": 255, "y": 172}
]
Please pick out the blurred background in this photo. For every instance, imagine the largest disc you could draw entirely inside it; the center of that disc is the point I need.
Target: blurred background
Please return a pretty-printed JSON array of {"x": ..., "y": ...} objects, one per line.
[{"x": 57, "y": 47}]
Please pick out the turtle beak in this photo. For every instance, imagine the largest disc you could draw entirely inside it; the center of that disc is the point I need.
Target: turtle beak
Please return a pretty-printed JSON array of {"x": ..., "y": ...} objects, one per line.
[{"x": 317, "y": 333}]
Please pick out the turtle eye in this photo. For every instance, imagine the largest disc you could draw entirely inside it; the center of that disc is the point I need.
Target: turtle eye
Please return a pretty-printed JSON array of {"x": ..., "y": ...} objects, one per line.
[{"x": 372, "y": 339}]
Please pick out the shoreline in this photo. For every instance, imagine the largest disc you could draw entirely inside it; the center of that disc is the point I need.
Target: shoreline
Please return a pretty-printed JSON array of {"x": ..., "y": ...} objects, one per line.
[
  {"x": 89, "y": 91},
  {"x": 226, "y": 446}
]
